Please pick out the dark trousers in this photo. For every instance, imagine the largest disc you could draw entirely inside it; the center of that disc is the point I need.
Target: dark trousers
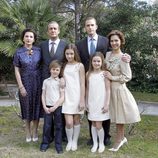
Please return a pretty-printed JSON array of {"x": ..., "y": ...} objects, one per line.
[
  {"x": 106, "y": 127},
  {"x": 54, "y": 120}
]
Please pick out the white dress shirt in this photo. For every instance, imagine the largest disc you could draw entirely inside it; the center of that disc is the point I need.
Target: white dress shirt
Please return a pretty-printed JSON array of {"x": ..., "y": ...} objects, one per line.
[{"x": 56, "y": 43}]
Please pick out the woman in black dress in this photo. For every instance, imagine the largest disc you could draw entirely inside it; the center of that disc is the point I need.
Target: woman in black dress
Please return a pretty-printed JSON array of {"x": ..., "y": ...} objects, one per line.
[{"x": 27, "y": 71}]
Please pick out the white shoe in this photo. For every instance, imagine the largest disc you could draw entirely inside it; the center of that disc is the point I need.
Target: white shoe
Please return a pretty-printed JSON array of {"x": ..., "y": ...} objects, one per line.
[
  {"x": 101, "y": 148},
  {"x": 35, "y": 139},
  {"x": 68, "y": 147},
  {"x": 74, "y": 146},
  {"x": 118, "y": 147},
  {"x": 124, "y": 141},
  {"x": 28, "y": 140},
  {"x": 94, "y": 148}
]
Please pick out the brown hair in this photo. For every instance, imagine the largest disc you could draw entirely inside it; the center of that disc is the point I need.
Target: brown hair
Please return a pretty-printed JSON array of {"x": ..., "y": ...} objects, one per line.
[
  {"x": 54, "y": 64},
  {"x": 119, "y": 34},
  {"x": 103, "y": 67},
  {"x": 76, "y": 55}
]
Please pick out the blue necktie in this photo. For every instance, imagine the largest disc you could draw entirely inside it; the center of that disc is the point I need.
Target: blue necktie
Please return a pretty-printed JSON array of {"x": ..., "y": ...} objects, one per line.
[{"x": 92, "y": 47}]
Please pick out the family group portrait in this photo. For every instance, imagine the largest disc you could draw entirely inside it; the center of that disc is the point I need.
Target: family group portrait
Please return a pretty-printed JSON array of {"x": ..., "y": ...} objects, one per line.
[{"x": 79, "y": 79}]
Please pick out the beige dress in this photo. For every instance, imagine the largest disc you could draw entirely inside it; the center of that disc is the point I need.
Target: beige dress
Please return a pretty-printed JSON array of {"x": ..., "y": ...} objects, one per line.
[
  {"x": 96, "y": 97},
  {"x": 72, "y": 89},
  {"x": 123, "y": 107}
]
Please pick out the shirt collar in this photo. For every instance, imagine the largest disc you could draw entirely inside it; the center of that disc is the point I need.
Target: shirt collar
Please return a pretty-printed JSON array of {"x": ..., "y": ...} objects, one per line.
[
  {"x": 51, "y": 78},
  {"x": 56, "y": 42},
  {"x": 94, "y": 37}
]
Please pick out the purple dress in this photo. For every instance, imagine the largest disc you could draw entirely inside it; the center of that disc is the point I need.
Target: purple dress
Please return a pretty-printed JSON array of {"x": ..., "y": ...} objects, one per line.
[{"x": 29, "y": 65}]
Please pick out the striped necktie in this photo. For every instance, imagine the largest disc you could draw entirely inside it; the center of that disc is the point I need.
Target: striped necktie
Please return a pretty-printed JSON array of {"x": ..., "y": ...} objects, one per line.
[{"x": 52, "y": 49}]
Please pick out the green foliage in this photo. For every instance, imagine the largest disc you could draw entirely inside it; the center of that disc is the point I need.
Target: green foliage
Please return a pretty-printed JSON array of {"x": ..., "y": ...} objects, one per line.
[{"x": 137, "y": 20}]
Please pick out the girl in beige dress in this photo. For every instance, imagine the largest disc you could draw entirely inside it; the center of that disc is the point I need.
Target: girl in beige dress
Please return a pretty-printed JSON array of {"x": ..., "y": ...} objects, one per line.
[
  {"x": 74, "y": 104},
  {"x": 98, "y": 98},
  {"x": 123, "y": 107}
]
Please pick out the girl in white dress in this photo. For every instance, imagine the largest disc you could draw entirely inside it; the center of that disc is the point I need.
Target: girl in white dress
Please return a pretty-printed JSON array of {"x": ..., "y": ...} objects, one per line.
[
  {"x": 123, "y": 107},
  {"x": 74, "y": 104},
  {"x": 97, "y": 100}
]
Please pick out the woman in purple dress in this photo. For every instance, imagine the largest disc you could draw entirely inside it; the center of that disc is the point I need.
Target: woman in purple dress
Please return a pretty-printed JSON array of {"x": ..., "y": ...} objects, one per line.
[{"x": 27, "y": 72}]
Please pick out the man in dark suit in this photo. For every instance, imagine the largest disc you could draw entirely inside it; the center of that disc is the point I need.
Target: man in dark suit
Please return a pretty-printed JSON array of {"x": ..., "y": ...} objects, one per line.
[
  {"x": 84, "y": 46},
  {"x": 51, "y": 49}
]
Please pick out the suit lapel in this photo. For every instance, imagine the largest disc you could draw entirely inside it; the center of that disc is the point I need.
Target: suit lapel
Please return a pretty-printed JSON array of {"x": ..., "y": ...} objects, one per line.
[
  {"x": 86, "y": 46},
  {"x": 98, "y": 43}
]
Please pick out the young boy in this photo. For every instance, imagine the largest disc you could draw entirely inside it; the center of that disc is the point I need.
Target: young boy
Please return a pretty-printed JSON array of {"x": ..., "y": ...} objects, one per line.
[{"x": 52, "y": 99}]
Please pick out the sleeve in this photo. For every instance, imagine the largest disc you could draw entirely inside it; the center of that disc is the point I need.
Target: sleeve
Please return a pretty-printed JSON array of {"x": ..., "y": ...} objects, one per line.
[
  {"x": 44, "y": 85},
  {"x": 16, "y": 60},
  {"x": 126, "y": 74}
]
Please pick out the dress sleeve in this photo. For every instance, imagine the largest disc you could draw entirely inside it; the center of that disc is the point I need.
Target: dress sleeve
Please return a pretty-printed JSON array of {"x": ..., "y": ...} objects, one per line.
[
  {"x": 126, "y": 74},
  {"x": 16, "y": 60}
]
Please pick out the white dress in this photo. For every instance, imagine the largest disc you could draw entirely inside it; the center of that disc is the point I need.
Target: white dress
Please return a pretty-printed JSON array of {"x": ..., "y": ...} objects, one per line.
[
  {"x": 72, "y": 89},
  {"x": 96, "y": 97}
]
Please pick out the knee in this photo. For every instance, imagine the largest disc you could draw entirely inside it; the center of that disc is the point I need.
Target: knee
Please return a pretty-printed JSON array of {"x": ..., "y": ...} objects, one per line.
[{"x": 69, "y": 124}]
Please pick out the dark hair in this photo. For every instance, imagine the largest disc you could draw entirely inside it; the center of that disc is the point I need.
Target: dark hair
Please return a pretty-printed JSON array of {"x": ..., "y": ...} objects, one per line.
[
  {"x": 54, "y": 64},
  {"x": 28, "y": 30},
  {"x": 119, "y": 34},
  {"x": 76, "y": 55}
]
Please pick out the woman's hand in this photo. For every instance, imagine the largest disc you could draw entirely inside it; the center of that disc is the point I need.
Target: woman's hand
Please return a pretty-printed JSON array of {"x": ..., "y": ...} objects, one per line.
[
  {"x": 126, "y": 58},
  {"x": 23, "y": 91},
  {"x": 108, "y": 75}
]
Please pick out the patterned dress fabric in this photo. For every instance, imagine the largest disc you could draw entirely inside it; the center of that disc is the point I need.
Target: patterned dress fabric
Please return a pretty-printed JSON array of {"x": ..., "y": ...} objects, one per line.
[
  {"x": 96, "y": 97},
  {"x": 29, "y": 65},
  {"x": 72, "y": 89},
  {"x": 123, "y": 107}
]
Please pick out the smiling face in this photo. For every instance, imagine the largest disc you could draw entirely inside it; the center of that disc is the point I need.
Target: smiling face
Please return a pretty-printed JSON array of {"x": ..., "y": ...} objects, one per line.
[
  {"x": 28, "y": 39},
  {"x": 115, "y": 42},
  {"x": 91, "y": 27},
  {"x": 70, "y": 55},
  {"x": 55, "y": 71},
  {"x": 97, "y": 63},
  {"x": 53, "y": 30}
]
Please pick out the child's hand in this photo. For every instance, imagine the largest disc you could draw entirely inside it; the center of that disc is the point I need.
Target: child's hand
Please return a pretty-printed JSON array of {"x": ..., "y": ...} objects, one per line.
[
  {"x": 87, "y": 109},
  {"x": 81, "y": 106},
  {"x": 46, "y": 110},
  {"x": 52, "y": 109},
  {"x": 105, "y": 109}
]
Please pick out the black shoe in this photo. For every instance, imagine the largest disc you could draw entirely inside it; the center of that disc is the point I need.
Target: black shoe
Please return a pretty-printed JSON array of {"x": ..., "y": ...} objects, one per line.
[
  {"x": 90, "y": 142},
  {"x": 107, "y": 142},
  {"x": 44, "y": 148},
  {"x": 59, "y": 151}
]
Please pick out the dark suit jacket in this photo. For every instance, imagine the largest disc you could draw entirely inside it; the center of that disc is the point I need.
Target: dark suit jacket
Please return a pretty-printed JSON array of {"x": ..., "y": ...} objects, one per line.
[
  {"x": 82, "y": 46},
  {"x": 46, "y": 58}
]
